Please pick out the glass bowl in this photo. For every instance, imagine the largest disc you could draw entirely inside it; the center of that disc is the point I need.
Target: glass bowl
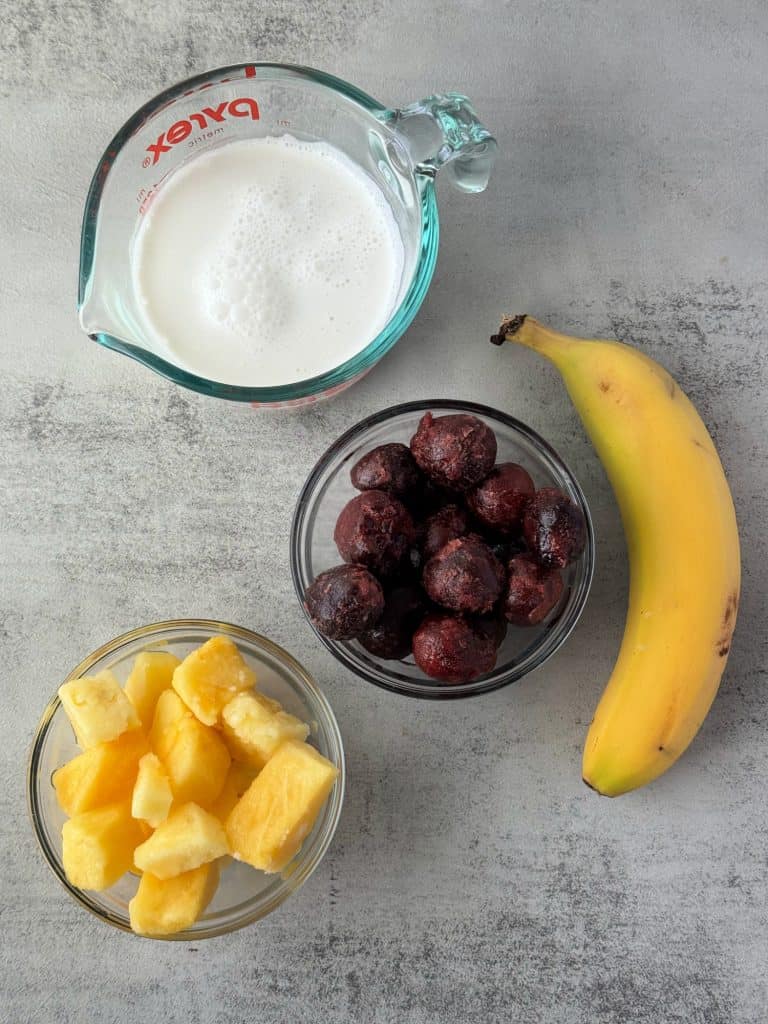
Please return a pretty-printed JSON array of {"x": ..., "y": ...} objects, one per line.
[
  {"x": 328, "y": 489},
  {"x": 244, "y": 895}
]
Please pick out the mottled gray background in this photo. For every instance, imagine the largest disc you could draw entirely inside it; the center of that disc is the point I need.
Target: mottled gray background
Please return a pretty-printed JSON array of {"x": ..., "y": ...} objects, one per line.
[{"x": 473, "y": 877}]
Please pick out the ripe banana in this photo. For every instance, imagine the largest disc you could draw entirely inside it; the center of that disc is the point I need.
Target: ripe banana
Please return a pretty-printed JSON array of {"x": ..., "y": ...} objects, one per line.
[{"x": 683, "y": 550}]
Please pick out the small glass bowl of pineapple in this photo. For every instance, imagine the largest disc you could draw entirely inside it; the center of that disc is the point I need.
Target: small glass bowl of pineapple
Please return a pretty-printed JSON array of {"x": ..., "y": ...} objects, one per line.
[{"x": 244, "y": 895}]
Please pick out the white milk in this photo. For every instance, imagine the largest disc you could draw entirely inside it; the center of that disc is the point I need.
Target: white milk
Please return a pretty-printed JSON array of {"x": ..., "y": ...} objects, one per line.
[{"x": 267, "y": 261}]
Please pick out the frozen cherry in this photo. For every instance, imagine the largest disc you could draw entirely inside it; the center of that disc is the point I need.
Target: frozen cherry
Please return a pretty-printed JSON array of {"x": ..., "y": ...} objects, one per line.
[
  {"x": 375, "y": 530},
  {"x": 391, "y": 637},
  {"x": 344, "y": 602},
  {"x": 554, "y": 528},
  {"x": 413, "y": 563},
  {"x": 533, "y": 590},
  {"x": 499, "y": 501},
  {"x": 428, "y": 499},
  {"x": 494, "y": 626},
  {"x": 464, "y": 576},
  {"x": 507, "y": 548},
  {"x": 452, "y": 649},
  {"x": 455, "y": 451},
  {"x": 390, "y": 468},
  {"x": 447, "y": 524}
]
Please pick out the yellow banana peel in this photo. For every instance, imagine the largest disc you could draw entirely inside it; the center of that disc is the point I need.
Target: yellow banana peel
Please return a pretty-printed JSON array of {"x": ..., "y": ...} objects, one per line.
[{"x": 683, "y": 547}]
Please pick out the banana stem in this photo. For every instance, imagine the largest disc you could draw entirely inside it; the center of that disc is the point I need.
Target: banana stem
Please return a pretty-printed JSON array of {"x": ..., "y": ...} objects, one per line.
[{"x": 527, "y": 331}]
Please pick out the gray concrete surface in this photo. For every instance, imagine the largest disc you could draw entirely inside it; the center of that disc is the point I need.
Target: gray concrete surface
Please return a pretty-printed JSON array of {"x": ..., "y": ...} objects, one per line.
[{"x": 473, "y": 877}]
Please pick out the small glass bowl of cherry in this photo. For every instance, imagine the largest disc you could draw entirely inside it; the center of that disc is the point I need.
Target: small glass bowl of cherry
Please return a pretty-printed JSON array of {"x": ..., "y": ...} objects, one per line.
[{"x": 442, "y": 549}]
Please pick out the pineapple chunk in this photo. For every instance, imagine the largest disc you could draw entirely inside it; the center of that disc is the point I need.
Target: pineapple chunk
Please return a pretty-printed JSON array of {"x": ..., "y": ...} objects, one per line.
[
  {"x": 97, "y": 709},
  {"x": 152, "y": 794},
  {"x": 170, "y": 710},
  {"x": 197, "y": 762},
  {"x": 98, "y": 846},
  {"x": 152, "y": 673},
  {"x": 163, "y": 907},
  {"x": 194, "y": 756},
  {"x": 272, "y": 819},
  {"x": 239, "y": 777},
  {"x": 225, "y": 801},
  {"x": 254, "y": 726},
  {"x": 190, "y": 837},
  {"x": 103, "y": 774},
  {"x": 242, "y": 775},
  {"x": 210, "y": 676}
]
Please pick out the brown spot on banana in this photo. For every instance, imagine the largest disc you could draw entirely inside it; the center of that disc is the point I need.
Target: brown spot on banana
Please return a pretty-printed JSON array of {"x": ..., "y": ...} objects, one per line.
[{"x": 723, "y": 644}]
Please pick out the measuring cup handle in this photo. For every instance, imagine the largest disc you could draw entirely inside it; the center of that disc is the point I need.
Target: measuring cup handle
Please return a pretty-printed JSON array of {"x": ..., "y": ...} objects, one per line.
[{"x": 444, "y": 131}]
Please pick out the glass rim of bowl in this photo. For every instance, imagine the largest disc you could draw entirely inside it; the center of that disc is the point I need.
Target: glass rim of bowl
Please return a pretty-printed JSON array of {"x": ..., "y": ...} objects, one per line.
[
  {"x": 532, "y": 657},
  {"x": 297, "y": 872}
]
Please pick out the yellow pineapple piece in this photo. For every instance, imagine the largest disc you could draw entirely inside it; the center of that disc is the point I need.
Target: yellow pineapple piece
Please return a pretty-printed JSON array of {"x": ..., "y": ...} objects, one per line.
[
  {"x": 101, "y": 775},
  {"x": 165, "y": 906},
  {"x": 152, "y": 793},
  {"x": 197, "y": 762},
  {"x": 98, "y": 846},
  {"x": 146, "y": 832},
  {"x": 239, "y": 777},
  {"x": 210, "y": 676},
  {"x": 169, "y": 711},
  {"x": 152, "y": 673},
  {"x": 194, "y": 756},
  {"x": 97, "y": 708},
  {"x": 242, "y": 775},
  {"x": 254, "y": 727},
  {"x": 225, "y": 801},
  {"x": 271, "y": 820},
  {"x": 188, "y": 838}
]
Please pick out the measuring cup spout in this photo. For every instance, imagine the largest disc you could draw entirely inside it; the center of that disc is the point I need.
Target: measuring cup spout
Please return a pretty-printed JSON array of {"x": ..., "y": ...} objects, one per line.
[{"x": 444, "y": 131}]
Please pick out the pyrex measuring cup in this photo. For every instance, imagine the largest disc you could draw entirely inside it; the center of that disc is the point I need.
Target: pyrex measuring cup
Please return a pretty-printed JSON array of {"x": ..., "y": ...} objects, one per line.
[{"x": 401, "y": 150}]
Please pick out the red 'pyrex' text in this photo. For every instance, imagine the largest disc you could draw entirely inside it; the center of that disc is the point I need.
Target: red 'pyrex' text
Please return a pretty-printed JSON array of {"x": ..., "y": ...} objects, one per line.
[{"x": 243, "y": 106}]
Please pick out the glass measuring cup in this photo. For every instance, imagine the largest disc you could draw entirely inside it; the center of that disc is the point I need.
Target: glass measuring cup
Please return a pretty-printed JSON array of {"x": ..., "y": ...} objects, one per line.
[{"x": 401, "y": 150}]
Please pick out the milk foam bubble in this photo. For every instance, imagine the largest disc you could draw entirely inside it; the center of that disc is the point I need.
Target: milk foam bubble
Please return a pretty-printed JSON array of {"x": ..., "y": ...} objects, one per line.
[{"x": 267, "y": 261}]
